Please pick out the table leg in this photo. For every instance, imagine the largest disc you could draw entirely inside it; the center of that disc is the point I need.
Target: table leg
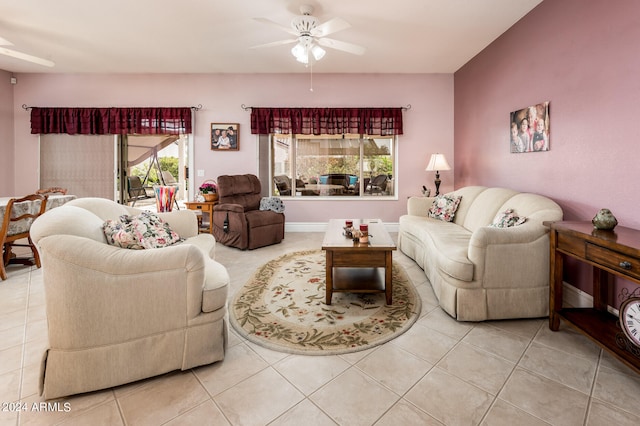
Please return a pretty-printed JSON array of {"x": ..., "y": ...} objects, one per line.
[
  {"x": 388, "y": 277},
  {"x": 555, "y": 282},
  {"x": 602, "y": 282},
  {"x": 329, "y": 280},
  {"x": 7, "y": 254}
]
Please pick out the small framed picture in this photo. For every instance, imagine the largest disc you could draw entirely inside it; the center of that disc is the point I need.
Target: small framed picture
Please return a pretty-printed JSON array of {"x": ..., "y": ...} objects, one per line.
[{"x": 225, "y": 137}]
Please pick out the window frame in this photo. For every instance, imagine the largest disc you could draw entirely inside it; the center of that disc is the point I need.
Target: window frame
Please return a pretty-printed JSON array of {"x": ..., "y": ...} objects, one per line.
[{"x": 362, "y": 196}]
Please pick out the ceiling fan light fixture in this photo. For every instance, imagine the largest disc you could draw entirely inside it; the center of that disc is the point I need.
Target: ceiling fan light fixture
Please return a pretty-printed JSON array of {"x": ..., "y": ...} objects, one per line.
[
  {"x": 304, "y": 24},
  {"x": 311, "y": 36},
  {"x": 301, "y": 53},
  {"x": 317, "y": 52}
]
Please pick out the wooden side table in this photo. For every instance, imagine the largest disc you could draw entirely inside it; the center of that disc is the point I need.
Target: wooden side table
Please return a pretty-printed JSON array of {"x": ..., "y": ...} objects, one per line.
[
  {"x": 204, "y": 207},
  {"x": 611, "y": 254}
]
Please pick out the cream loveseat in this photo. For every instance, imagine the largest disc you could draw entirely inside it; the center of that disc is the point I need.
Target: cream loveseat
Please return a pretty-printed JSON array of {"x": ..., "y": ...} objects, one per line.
[
  {"x": 117, "y": 315},
  {"x": 479, "y": 272}
]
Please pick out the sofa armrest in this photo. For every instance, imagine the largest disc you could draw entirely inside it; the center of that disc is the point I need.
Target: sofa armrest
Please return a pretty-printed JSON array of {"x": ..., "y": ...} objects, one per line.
[
  {"x": 234, "y": 208},
  {"x": 419, "y": 206},
  {"x": 126, "y": 293},
  {"x": 523, "y": 234},
  {"x": 500, "y": 254}
]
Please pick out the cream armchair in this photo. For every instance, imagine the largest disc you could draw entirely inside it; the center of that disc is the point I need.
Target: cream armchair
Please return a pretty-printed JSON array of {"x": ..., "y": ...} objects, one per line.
[{"x": 117, "y": 315}]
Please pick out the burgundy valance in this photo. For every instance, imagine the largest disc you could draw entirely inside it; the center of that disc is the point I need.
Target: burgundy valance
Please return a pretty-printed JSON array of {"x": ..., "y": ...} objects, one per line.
[
  {"x": 328, "y": 121},
  {"x": 116, "y": 121}
]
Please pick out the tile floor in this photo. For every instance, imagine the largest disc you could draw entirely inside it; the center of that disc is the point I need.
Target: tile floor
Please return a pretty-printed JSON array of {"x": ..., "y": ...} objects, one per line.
[{"x": 439, "y": 372}]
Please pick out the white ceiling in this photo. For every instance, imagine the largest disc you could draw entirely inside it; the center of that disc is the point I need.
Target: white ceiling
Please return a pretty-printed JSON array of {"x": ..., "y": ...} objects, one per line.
[{"x": 214, "y": 36}]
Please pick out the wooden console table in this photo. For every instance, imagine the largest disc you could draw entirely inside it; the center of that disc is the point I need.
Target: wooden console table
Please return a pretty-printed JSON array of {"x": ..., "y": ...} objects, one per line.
[
  {"x": 610, "y": 253},
  {"x": 204, "y": 207}
]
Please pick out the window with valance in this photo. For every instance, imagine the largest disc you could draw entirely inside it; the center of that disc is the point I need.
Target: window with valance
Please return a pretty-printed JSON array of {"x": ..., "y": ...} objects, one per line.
[
  {"x": 316, "y": 153},
  {"x": 327, "y": 121},
  {"x": 116, "y": 121}
]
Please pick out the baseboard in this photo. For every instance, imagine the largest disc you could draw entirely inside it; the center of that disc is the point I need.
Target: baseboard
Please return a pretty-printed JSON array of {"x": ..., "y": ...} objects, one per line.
[
  {"x": 322, "y": 226},
  {"x": 575, "y": 298},
  {"x": 305, "y": 227}
]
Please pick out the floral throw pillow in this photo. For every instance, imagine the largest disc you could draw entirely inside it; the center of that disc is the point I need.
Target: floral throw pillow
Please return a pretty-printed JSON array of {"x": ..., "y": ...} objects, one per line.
[
  {"x": 507, "y": 219},
  {"x": 444, "y": 207},
  {"x": 118, "y": 234},
  {"x": 143, "y": 231}
]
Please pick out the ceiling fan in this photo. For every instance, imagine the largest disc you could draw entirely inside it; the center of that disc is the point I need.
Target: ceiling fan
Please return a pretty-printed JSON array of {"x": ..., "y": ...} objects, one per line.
[
  {"x": 23, "y": 56},
  {"x": 311, "y": 35}
]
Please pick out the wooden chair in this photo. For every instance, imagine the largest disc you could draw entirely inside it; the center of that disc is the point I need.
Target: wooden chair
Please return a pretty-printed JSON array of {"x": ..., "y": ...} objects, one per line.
[
  {"x": 52, "y": 190},
  {"x": 15, "y": 226}
]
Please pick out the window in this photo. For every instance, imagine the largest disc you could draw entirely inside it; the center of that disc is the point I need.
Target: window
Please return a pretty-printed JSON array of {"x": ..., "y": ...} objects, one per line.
[{"x": 332, "y": 165}]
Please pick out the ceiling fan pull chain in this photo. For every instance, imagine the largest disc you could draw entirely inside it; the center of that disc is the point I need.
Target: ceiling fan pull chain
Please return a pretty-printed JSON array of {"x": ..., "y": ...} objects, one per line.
[{"x": 311, "y": 76}]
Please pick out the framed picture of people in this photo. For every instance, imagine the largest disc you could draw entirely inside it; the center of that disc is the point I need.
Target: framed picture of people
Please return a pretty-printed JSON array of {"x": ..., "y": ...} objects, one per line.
[
  {"x": 530, "y": 129},
  {"x": 225, "y": 137}
]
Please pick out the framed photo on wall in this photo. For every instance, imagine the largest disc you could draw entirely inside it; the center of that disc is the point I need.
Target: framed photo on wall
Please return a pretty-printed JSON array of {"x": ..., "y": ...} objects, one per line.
[
  {"x": 529, "y": 129},
  {"x": 225, "y": 137}
]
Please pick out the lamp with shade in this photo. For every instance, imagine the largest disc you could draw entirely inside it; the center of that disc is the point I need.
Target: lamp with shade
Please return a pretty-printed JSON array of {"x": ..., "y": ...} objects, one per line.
[{"x": 437, "y": 162}]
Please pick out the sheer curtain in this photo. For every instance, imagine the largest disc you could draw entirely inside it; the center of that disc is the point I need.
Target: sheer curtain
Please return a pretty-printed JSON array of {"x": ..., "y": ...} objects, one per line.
[{"x": 83, "y": 164}]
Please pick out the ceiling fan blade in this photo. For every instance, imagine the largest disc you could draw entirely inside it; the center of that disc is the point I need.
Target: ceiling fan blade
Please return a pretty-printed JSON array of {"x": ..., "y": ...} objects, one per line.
[
  {"x": 275, "y": 43},
  {"x": 25, "y": 57},
  {"x": 5, "y": 42},
  {"x": 331, "y": 26},
  {"x": 341, "y": 45},
  {"x": 275, "y": 24}
]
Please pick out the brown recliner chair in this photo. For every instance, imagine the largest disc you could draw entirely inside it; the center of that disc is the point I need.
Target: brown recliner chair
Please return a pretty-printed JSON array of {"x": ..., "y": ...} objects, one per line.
[{"x": 237, "y": 218}]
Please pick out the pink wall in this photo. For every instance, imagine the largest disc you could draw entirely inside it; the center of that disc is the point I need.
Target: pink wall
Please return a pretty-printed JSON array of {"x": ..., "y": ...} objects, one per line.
[
  {"x": 580, "y": 56},
  {"x": 428, "y": 125},
  {"x": 6, "y": 134}
]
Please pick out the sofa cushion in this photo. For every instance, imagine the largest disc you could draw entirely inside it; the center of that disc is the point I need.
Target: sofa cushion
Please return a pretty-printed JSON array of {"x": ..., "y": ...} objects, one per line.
[
  {"x": 486, "y": 205},
  {"x": 469, "y": 194},
  {"x": 450, "y": 244},
  {"x": 258, "y": 218},
  {"x": 537, "y": 208},
  {"x": 143, "y": 231},
  {"x": 216, "y": 284},
  {"x": 452, "y": 247},
  {"x": 507, "y": 219},
  {"x": 444, "y": 207}
]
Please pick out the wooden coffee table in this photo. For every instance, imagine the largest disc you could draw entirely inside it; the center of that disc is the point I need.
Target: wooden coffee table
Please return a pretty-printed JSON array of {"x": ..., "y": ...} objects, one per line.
[{"x": 355, "y": 267}]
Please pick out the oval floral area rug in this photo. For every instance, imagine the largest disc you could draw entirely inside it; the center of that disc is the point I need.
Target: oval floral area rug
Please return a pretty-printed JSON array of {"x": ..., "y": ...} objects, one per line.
[{"x": 282, "y": 307}]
